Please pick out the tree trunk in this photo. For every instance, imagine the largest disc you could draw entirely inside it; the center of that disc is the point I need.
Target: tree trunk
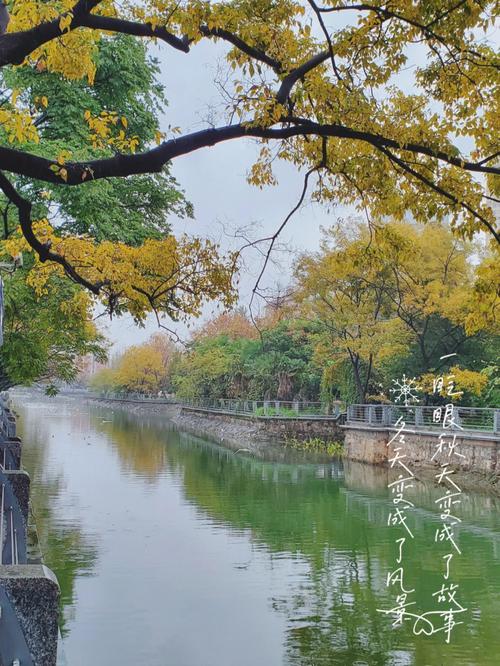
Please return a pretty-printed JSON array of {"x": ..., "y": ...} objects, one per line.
[{"x": 360, "y": 387}]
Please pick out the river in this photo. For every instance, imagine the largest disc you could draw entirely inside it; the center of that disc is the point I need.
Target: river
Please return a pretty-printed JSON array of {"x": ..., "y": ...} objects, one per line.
[{"x": 172, "y": 551}]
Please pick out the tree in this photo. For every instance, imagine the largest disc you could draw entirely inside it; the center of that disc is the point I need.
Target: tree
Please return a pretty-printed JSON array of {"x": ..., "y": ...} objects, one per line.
[
  {"x": 145, "y": 368},
  {"x": 209, "y": 368},
  {"x": 326, "y": 99},
  {"x": 345, "y": 287},
  {"x": 140, "y": 369},
  {"x": 163, "y": 345},
  {"x": 282, "y": 364},
  {"x": 89, "y": 235},
  {"x": 400, "y": 295},
  {"x": 125, "y": 80},
  {"x": 44, "y": 334},
  {"x": 234, "y": 324},
  {"x": 233, "y": 364},
  {"x": 126, "y": 76}
]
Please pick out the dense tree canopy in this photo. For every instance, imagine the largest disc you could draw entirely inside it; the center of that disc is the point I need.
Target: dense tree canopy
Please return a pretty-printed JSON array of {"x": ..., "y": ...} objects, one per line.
[
  {"x": 119, "y": 229},
  {"x": 402, "y": 291},
  {"x": 43, "y": 337},
  {"x": 143, "y": 369},
  {"x": 324, "y": 86},
  {"x": 129, "y": 210}
]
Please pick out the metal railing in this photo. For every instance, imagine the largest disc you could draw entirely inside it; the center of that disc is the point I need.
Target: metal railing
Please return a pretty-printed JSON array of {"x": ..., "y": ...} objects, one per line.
[
  {"x": 267, "y": 408},
  {"x": 426, "y": 417},
  {"x": 132, "y": 397},
  {"x": 7, "y": 458},
  {"x": 13, "y": 548}
]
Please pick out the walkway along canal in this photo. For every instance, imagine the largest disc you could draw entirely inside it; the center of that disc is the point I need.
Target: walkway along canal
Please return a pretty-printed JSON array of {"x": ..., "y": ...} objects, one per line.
[{"x": 172, "y": 551}]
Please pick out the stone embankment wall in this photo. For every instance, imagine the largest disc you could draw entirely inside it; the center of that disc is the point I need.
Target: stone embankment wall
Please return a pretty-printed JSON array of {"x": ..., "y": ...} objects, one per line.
[
  {"x": 479, "y": 453},
  {"x": 255, "y": 433},
  {"x": 167, "y": 409}
]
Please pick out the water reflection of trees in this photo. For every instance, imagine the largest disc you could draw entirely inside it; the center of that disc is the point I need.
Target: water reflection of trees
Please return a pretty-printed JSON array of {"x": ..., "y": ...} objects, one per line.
[
  {"x": 65, "y": 549},
  {"x": 338, "y": 527},
  {"x": 140, "y": 446},
  {"x": 303, "y": 511}
]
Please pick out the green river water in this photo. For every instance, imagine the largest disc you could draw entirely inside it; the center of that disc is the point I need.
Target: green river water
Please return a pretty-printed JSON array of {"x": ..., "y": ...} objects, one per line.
[{"x": 172, "y": 551}]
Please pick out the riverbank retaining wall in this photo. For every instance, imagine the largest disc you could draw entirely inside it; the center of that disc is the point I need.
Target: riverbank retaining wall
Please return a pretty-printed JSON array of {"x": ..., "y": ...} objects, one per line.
[
  {"x": 475, "y": 452},
  {"x": 255, "y": 433},
  {"x": 478, "y": 456}
]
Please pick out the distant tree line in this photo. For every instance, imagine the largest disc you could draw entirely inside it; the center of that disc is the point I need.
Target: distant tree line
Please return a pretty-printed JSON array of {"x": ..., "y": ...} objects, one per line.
[{"x": 368, "y": 307}]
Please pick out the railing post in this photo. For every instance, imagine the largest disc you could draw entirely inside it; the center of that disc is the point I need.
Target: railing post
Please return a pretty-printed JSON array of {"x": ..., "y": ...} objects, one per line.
[
  {"x": 496, "y": 421},
  {"x": 419, "y": 416},
  {"x": 296, "y": 406},
  {"x": 385, "y": 415},
  {"x": 370, "y": 414}
]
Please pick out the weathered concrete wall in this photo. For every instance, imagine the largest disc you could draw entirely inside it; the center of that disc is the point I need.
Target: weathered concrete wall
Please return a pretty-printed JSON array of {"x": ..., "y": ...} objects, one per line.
[
  {"x": 481, "y": 452},
  {"x": 254, "y": 433},
  {"x": 34, "y": 592},
  {"x": 366, "y": 447}
]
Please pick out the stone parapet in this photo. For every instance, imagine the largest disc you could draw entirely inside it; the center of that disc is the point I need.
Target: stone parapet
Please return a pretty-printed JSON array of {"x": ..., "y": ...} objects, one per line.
[{"x": 33, "y": 593}]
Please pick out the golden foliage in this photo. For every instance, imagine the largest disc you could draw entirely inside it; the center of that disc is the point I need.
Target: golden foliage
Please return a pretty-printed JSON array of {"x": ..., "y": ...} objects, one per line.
[
  {"x": 174, "y": 276},
  {"x": 456, "y": 380},
  {"x": 140, "y": 369},
  {"x": 376, "y": 292},
  {"x": 456, "y": 91}
]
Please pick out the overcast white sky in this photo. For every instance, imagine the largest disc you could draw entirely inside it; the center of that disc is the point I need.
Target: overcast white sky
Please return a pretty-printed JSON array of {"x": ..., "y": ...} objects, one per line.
[{"x": 214, "y": 180}]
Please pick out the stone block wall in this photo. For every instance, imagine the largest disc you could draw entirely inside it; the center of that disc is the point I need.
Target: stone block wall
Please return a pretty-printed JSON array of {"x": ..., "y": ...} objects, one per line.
[
  {"x": 255, "y": 433},
  {"x": 473, "y": 452},
  {"x": 34, "y": 592}
]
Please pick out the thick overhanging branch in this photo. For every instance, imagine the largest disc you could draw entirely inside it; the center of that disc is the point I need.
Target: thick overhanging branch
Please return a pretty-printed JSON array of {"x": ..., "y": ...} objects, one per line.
[
  {"x": 296, "y": 74},
  {"x": 252, "y": 51},
  {"x": 112, "y": 24},
  {"x": 121, "y": 165},
  {"x": 16, "y": 46}
]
